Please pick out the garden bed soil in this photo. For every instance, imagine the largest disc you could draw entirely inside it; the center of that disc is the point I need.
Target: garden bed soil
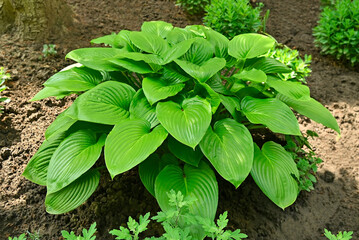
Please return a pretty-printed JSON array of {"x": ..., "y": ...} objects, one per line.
[{"x": 334, "y": 204}]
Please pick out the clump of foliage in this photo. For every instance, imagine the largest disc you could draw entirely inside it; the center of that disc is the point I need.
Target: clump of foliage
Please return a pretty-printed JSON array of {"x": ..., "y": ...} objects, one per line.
[
  {"x": 4, "y": 76},
  {"x": 49, "y": 50},
  {"x": 86, "y": 234},
  {"x": 178, "y": 222},
  {"x": 290, "y": 57},
  {"x": 27, "y": 236},
  {"x": 306, "y": 160},
  {"x": 234, "y": 17},
  {"x": 193, "y": 6},
  {"x": 168, "y": 99},
  {"x": 337, "y": 32},
  {"x": 340, "y": 236}
]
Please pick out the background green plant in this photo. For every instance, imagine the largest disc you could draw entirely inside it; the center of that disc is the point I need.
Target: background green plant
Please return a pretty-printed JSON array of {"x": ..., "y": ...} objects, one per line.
[
  {"x": 193, "y": 6},
  {"x": 234, "y": 17},
  {"x": 337, "y": 32},
  {"x": 291, "y": 58},
  {"x": 4, "y": 76},
  {"x": 180, "y": 103}
]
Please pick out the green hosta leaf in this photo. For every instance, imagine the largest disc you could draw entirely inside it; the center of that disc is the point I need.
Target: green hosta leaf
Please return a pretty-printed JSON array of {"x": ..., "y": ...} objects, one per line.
[
  {"x": 140, "y": 108},
  {"x": 107, "y": 103},
  {"x": 199, "y": 183},
  {"x": 252, "y": 75},
  {"x": 185, "y": 153},
  {"x": 270, "y": 65},
  {"x": 131, "y": 142},
  {"x": 272, "y": 113},
  {"x": 273, "y": 170},
  {"x": 108, "y": 40},
  {"x": 61, "y": 124},
  {"x": 217, "y": 85},
  {"x": 50, "y": 92},
  {"x": 178, "y": 35},
  {"x": 123, "y": 41},
  {"x": 177, "y": 51},
  {"x": 96, "y": 58},
  {"x": 200, "y": 52},
  {"x": 293, "y": 90},
  {"x": 75, "y": 79},
  {"x": 218, "y": 41},
  {"x": 36, "y": 169},
  {"x": 173, "y": 75},
  {"x": 131, "y": 65},
  {"x": 249, "y": 45},
  {"x": 151, "y": 167},
  {"x": 313, "y": 110},
  {"x": 229, "y": 147},
  {"x": 212, "y": 97},
  {"x": 74, "y": 156},
  {"x": 74, "y": 194},
  {"x": 232, "y": 104},
  {"x": 157, "y": 89},
  {"x": 149, "y": 42},
  {"x": 204, "y": 72},
  {"x": 187, "y": 122},
  {"x": 158, "y": 28}
]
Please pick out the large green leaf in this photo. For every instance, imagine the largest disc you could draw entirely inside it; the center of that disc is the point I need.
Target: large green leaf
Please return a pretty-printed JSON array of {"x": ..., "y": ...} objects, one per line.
[
  {"x": 202, "y": 72},
  {"x": 157, "y": 89},
  {"x": 158, "y": 28},
  {"x": 75, "y": 79},
  {"x": 177, "y": 51},
  {"x": 74, "y": 156},
  {"x": 36, "y": 169},
  {"x": 273, "y": 171},
  {"x": 50, "y": 92},
  {"x": 131, "y": 142},
  {"x": 96, "y": 58},
  {"x": 272, "y": 113},
  {"x": 199, "y": 183},
  {"x": 107, "y": 39},
  {"x": 218, "y": 41},
  {"x": 270, "y": 65},
  {"x": 187, "y": 122},
  {"x": 140, "y": 108},
  {"x": 151, "y": 167},
  {"x": 294, "y": 90},
  {"x": 123, "y": 41},
  {"x": 140, "y": 67},
  {"x": 200, "y": 52},
  {"x": 178, "y": 35},
  {"x": 149, "y": 42},
  {"x": 313, "y": 110},
  {"x": 107, "y": 103},
  {"x": 232, "y": 104},
  {"x": 185, "y": 153},
  {"x": 61, "y": 124},
  {"x": 211, "y": 96},
  {"x": 74, "y": 194},
  {"x": 229, "y": 147},
  {"x": 252, "y": 75},
  {"x": 249, "y": 45}
]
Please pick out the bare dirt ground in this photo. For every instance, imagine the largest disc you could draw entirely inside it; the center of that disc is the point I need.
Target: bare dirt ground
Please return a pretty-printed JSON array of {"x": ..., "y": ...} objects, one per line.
[{"x": 334, "y": 204}]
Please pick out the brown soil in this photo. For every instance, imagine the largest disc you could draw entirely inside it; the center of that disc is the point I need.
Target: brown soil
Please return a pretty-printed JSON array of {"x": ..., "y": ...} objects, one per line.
[{"x": 334, "y": 204}]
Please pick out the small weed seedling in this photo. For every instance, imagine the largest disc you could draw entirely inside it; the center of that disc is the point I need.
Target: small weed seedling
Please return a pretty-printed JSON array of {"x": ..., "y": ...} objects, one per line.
[
  {"x": 86, "y": 234},
  {"x": 49, "y": 50},
  {"x": 340, "y": 236},
  {"x": 4, "y": 76}
]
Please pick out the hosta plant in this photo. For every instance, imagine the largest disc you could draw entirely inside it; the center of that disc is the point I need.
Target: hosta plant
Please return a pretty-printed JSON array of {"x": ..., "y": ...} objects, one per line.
[
  {"x": 337, "y": 32},
  {"x": 180, "y": 103},
  {"x": 233, "y": 17}
]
